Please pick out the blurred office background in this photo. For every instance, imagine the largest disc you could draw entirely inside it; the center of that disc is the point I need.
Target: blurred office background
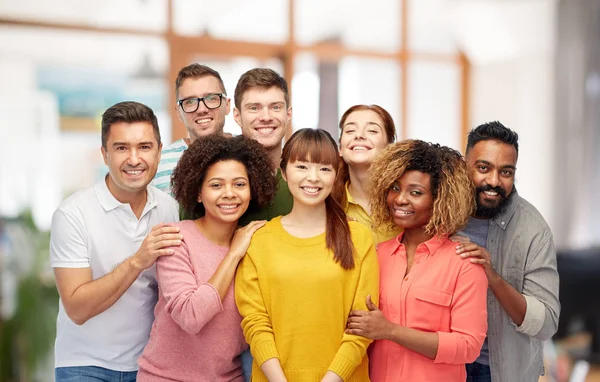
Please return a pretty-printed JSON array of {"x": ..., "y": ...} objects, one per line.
[{"x": 440, "y": 67}]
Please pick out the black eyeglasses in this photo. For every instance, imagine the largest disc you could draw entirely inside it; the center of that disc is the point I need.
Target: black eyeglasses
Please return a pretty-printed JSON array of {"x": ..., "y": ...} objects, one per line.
[{"x": 211, "y": 101}]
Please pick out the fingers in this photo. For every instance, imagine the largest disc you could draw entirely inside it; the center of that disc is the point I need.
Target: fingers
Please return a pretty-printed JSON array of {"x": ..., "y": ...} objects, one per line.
[
  {"x": 370, "y": 304},
  {"x": 356, "y": 332},
  {"x": 254, "y": 226},
  {"x": 357, "y": 313},
  {"x": 466, "y": 247},
  {"x": 479, "y": 261},
  {"x": 164, "y": 252}
]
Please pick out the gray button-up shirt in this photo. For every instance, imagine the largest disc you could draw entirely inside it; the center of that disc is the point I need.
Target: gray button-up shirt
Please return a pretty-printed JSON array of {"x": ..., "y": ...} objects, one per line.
[{"x": 522, "y": 251}]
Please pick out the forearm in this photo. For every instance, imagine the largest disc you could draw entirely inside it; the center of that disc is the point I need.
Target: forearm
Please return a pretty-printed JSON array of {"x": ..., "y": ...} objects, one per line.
[
  {"x": 273, "y": 371},
  {"x": 511, "y": 300},
  {"x": 424, "y": 343},
  {"x": 222, "y": 278},
  {"x": 94, "y": 297},
  {"x": 330, "y": 376}
]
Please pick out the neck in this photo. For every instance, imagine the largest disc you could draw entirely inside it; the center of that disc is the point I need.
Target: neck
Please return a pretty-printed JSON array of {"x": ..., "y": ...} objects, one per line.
[
  {"x": 359, "y": 178},
  {"x": 135, "y": 199},
  {"x": 217, "y": 232},
  {"x": 412, "y": 237},
  {"x": 306, "y": 221},
  {"x": 188, "y": 141},
  {"x": 275, "y": 156}
]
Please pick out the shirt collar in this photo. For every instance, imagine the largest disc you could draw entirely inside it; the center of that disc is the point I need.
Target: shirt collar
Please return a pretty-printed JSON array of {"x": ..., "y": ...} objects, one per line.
[
  {"x": 432, "y": 244},
  {"x": 349, "y": 197},
  {"x": 109, "y": 202},
  {"x": 504, "y": 217}
]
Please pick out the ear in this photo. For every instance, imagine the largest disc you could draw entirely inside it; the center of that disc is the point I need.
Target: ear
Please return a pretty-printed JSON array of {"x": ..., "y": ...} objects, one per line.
[
  {"x": 199, "y": 199},
  {"x": 283, "y": 175},
  {"x": 227, "y": 106},
  {"x": 178, "y": 111},
  {"x": 104, "y": 155},
  {"x": 237, "y": 116}
]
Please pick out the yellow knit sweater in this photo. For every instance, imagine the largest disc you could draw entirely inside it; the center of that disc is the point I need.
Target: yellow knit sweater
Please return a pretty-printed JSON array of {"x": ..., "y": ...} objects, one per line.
[{"x": 295, "y": 301}]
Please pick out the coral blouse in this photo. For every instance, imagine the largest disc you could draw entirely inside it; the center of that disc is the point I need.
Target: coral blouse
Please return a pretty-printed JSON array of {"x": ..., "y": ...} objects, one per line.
[{"x": 442, "y": 293}]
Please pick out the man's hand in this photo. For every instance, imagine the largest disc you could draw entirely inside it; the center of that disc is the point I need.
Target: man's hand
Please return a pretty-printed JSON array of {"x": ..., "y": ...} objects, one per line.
[
  {"x": 370, "y": 324},
  {"x": 156, "y": 244},
  {"x": 478, "y": 255}
]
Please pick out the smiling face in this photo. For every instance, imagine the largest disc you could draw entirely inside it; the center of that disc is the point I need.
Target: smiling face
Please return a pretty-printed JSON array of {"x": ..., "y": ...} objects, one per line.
[
  {"x": 132, "y": 154},
  {"x": 492, "y": 166},
  {"x": 203, "y": 121},
  {"x": 225, "y": 191},
  {"x": 309, "y": 183},
  {"x": 263, "y": 116},
  {"x": 363, "y": 138},
  {"x": 410, "y": 200}
]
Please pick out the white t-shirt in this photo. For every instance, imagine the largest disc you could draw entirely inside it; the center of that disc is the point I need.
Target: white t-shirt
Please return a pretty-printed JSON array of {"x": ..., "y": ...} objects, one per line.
[{"x": 92, "y": 229}]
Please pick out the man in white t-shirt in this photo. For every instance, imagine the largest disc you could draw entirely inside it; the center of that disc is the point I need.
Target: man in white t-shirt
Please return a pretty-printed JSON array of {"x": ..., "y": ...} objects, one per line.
[
  {"x": 202, "y": 105},
  {"x": 104, "y": 242}
]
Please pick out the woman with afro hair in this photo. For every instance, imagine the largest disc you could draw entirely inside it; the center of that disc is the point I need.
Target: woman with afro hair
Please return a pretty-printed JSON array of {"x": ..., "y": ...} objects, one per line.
[
  {"x": 432, "y": 315},
  {"x": 196, "y": 335}
]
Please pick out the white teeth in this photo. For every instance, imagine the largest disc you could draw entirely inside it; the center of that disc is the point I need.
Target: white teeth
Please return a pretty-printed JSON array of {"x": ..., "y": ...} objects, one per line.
[
  {"x": 400, "y": 212},
  {"x": 359, "y": 148},
  {"x": 203, "y": 120},
  {"x": 490, "y": 193},
  {"x": 228, "y": 206},
  {"x": 134, "y": 172},
  {"x": 311, "y": 190},
  {"x": 265, "y": 130}
]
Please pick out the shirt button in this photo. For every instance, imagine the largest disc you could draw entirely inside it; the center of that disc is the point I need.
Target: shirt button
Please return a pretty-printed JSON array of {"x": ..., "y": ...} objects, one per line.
[
  {"x": 406, "y": 278},
  {"x": 502, "y": 223}
]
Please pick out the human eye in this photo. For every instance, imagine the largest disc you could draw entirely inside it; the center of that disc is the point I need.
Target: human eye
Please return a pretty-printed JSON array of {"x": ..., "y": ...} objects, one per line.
[
  {"x": 120, "y": 148},
  {"x": 146, "y": 147},
  {"x": 240, "y": 184},
  {"x": 277, "y": 107},
  {"x": 301, "y": 167},
  {"x": 507, "y": 173},
  {"x": 395, "y": 188},
  {"x": 327, "y": 168},
  {"x": 190, "y": 101},
  {"x": 349, "y": 130},
  {"x": 253, "y": 108},
  {"x": 215, "y": 185},
  {"x": 373, "y": 131},
  {"x": 482, "y": 168},
  {"x": 416, "y": 193}
]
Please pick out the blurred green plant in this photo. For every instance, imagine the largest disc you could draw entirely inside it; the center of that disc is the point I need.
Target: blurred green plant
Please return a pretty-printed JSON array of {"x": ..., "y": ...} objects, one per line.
[{"x": 27, "y": 336}]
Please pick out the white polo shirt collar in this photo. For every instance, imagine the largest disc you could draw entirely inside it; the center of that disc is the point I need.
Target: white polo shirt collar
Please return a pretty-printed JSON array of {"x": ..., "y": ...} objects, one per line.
[{"x": 108, "y": 201}]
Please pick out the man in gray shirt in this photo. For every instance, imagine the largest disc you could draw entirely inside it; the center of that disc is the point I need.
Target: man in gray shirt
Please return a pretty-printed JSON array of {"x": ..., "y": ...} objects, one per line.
[{"x": 513, "y": 243}]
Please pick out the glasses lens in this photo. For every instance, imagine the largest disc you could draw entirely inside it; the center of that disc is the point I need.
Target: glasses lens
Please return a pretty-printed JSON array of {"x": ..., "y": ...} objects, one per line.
[
  {"x": 212, "y": 101},
  {"x": 189, "y": 105}
]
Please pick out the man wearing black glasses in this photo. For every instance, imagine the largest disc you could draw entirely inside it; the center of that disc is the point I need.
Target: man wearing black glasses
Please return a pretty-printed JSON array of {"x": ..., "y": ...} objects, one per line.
[{"x": 202, "y": 105}]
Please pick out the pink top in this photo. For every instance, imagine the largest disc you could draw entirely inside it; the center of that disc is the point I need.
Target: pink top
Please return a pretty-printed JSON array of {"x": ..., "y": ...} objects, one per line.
[
  {"x": 442, "y": 293},
  {"x": 194, "y": 337}
]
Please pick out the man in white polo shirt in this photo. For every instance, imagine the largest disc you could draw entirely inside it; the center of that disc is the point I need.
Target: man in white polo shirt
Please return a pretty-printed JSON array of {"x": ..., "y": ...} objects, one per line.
[{"x": 104, "y": 242}]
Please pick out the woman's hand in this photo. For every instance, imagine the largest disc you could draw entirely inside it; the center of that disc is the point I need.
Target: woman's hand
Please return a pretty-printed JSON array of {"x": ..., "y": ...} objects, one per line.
[
  {"x": 370, "y": 324},
  {"x": 242, "y": 237},
  {"x": 330, "y": 376}
]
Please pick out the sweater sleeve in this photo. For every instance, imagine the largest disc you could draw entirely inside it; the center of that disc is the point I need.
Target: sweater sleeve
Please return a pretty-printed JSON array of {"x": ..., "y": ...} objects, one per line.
[
  {"x": 256, "y": 323},
  {"x": 190, "y": 304},
  {"x": 353, "y": 348},
  {"x": 469, "y": 318}
]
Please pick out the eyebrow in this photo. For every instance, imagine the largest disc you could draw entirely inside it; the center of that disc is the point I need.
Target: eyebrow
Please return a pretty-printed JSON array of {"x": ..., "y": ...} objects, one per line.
[
  {"x": 368, "y": 123},
  {"x": 223, "y": 179},
  {"x": 491, "y": 165},
  {"x": 129, "y": 144}
]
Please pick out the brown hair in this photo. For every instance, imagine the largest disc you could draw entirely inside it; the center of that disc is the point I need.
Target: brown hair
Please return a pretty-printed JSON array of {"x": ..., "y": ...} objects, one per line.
[
  {"x": 128, "y": 112},
  {"x": 343, "y": 175},
  {"x": 451, "y": 186},
  {"x": 262, "y": 78},
  {"x": 191, "y": 169},
  {"x": 317, "y": 146},
  {"x": 196, "y": 70}
]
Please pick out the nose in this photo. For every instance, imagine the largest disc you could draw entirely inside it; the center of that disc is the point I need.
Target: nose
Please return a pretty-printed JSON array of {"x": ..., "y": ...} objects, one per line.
[
  {"x": 313, "y": 174},
  {"x": 134, "y": 158},
  {"x": 359, "y": 134},
  {"x": 265, "y": 114},
  {"x": 493, "y": 179},
  {"x": 228, "y": 191},
  {"x": 400, "y": 199},
  {"x": 202, "y": 107}
]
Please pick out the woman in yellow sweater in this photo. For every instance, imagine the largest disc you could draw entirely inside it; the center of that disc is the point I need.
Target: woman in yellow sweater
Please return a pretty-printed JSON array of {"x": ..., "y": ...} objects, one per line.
[{"x": 303, "y": 274}]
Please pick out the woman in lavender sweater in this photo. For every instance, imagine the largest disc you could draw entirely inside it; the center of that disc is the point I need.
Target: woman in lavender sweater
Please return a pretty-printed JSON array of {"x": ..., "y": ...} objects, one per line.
[{"x": 196, "y": 335}]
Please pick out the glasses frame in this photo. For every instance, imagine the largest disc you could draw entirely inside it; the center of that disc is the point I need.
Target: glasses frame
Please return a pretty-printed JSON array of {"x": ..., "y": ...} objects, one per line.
[{"x": 201, "y": 99}]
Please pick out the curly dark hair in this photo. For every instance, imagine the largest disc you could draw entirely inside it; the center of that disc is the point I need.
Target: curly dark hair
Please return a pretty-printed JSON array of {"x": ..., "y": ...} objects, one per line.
[
  {"x": 193, "y": 165},
  {"x": 451, "y": 186}
]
